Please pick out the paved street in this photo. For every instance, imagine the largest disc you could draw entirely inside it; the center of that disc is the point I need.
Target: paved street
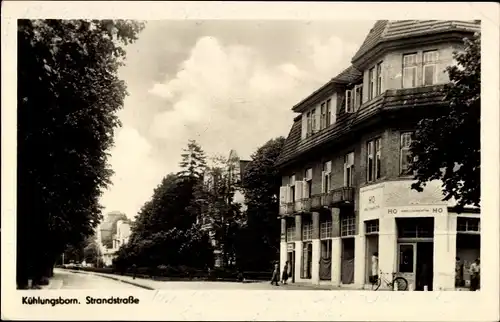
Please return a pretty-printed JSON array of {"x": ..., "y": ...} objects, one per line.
[{"x": 66, "y": 279}]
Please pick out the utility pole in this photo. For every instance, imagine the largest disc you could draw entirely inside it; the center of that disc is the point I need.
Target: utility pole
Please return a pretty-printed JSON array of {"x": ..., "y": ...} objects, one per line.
[{"x": 63, "y": 259}]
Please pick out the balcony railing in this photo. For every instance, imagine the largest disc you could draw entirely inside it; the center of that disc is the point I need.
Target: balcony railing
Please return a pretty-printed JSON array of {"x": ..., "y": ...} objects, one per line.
[{"x": 341, "y": 196}]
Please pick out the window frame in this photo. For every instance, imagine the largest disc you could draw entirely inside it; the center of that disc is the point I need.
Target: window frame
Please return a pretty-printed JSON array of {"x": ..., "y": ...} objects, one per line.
[
  {"x": 408, "y": 66},
  {"x": 372, "y": 227},
  {"x": 371, "y": 83},
  {"x": 326, "y": 182},
  {"x": 379, "y": 78},
  {"x": 378, "y": 158},
  {"x": 328, "y": 113},
  {"x": 349, "y": 178},
  {"x": 431, "y": 63},
  {"x": 370, "y": 156},
  {"x": 322, "y": 116},
  {"x": 404, "y": 148},
  {"x": 348, "y": 226},
  {"x": 349, "y": 102},
  {"x": 326, "y": 229},
  {"x": 307, "y": 231},
  {"x": 358, "y": 89}
]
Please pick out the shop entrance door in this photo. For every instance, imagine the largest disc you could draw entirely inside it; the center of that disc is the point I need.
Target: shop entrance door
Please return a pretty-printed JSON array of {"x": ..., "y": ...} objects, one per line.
[
  {"x": 291, "y": 265},
  {"x": 407, "y": 260}
]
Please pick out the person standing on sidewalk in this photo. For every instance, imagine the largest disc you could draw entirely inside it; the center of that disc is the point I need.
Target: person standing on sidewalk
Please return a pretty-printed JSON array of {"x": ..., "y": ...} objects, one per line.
[
  {"x": 134, "y": 270},
  {"x": 276, "y": 275},
  {"x": 374, "y": 271},
  {"x": 475, "y": 271},
  {"x": 284, "y": 276}
]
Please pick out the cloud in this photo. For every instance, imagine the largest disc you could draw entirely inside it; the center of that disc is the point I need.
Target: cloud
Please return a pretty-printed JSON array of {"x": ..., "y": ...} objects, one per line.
[{"x": 136, "y": 173}]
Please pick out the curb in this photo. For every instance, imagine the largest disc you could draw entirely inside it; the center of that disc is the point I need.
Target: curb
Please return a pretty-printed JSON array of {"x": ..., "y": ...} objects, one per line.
[{"x": 115, "y": 279}]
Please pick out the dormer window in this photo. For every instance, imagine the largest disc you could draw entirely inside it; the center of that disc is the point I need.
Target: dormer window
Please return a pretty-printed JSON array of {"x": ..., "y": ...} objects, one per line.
[
  {"x": 379, "y": 78},
  {"x": 349, "y": 108},
  {"x": 358, "y": 96},
  {"x": 325, "y": 114},
  {"x": 311, "y": 122},
  {"x": 371, "y": 84}
]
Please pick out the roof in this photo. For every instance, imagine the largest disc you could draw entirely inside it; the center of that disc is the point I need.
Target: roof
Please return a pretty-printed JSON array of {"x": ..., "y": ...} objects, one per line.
[
  {"x": 391, "y": 99},
  {"x": 385, "y": 30},
  {"x": 347, "y": 76}
]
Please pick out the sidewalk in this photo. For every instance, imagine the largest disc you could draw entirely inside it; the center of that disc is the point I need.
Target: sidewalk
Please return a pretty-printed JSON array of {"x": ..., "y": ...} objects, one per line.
[{"x": 255, "y": 285}]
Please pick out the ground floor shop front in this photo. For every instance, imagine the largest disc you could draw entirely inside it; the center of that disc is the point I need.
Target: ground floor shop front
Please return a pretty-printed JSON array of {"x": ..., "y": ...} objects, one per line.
[{"x": 415, "y": 235}]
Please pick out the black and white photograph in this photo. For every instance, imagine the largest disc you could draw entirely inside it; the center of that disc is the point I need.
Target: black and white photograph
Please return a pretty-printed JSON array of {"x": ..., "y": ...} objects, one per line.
[{"x": 340, "y": 156}]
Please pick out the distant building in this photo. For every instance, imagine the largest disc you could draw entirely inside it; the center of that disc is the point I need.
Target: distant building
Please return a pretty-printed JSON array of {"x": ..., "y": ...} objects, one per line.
[
  {"x": 112, "y": 233},
  {"x": 234, "y": 171}
]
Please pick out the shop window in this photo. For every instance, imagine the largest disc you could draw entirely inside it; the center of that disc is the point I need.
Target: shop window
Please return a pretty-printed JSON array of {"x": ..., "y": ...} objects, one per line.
[
  {"x": 348, "y": 226},
  {"x": 406, "y": 258},
  {"x": 306, "y": 261},
  {"x": 307, "y": 230},
  {"x": 468, "y": 225},
  {"x": 371, "y": 227},
  {"x": 290, "y": 232},
  {"x": 415, "y": 227},
  {"x": 326, "y": 229}
]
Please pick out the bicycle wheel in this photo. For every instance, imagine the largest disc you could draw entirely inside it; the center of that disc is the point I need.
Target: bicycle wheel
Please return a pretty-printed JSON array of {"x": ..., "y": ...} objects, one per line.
[
  {"x": 377, "y": 283},
  {"x": 401, "y": 282}
]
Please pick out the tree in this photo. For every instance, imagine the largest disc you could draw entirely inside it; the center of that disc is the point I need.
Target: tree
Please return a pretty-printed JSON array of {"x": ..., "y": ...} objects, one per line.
[
  {"x": 68, "y": 96},
  {"x": 193, "y": 161},
  {"x": 447, "y": 147},
  {"x": 259, "y": 243},
  {"x": 215, "y": 198}
]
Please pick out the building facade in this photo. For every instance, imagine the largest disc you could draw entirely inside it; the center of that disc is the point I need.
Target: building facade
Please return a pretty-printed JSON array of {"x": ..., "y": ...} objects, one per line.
[
  {"x": 112, "y": 233},
  {"x": 346, "y": 188},
  {"x": 233, "y": 174}
]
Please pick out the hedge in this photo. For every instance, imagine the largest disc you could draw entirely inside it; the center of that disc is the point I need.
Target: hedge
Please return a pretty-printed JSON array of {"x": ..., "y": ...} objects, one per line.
[{"x": 165, "y": 272}]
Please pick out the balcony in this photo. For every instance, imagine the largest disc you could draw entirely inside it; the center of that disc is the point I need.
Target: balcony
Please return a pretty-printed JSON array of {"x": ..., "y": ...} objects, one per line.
[
  {"x": 341, "y": 196},
  {"x": 287, "y": 209}
]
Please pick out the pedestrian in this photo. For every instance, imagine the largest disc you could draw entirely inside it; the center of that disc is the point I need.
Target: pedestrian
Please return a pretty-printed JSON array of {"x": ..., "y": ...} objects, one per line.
[
  {"x": 284, "y": 277},
  {"x": 276, "y": 275},
  {"x": 374, "y": 270},
  {"x": 459, "y": 272},
  {"x": 134, "y": 270},
  {"x": 475, "y": 271}
]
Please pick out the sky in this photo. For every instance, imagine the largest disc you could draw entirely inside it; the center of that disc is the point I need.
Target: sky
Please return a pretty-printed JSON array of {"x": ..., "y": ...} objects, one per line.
[{"x": 226, "y": 84}]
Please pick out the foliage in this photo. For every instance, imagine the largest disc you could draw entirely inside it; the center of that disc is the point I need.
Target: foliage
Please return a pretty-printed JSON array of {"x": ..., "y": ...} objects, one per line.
[
  {"x": 258, "y": 245},
  {"x": 219, "y": 212},
  {"x": 193, "y": 161},
  {"x": 447, "y": 147},
  {"x": 68, "y": 96}
]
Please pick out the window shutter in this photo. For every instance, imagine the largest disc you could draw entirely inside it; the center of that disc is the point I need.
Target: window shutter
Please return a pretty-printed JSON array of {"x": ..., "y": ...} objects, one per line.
[
  {"x": 348, "y": 101},
  {"x": 304, "y": 126},
  {"x": 305, "y": 190},
  {"x": 323, "y": 182},
  {"x": 283, "y": 191},
  {"x": 299, "y": 189},
  {"x": 287, "y": 193},
  {"x": 317, "y": 117}
]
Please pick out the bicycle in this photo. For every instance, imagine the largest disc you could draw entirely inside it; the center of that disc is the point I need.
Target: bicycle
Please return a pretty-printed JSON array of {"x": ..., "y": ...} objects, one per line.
[{"x": 401, "y": 282}]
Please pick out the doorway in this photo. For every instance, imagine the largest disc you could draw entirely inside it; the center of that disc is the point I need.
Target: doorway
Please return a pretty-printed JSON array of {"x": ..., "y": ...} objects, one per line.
[
  {"x": 291, "y": 265},
  {"x": 424, "y": 267},
  {"x": 347, "y": 269},
  {"x": 325, "y": 262},
  {"x": 306, "y": 261}
]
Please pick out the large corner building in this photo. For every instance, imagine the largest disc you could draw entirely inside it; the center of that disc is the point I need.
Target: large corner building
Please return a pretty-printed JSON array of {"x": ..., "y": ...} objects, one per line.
[{"x": 345, "y": 182}]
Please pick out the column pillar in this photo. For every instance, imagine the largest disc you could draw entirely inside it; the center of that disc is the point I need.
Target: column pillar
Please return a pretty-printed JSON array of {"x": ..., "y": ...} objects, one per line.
[
  {"x": 298, "y": 246},
  {"x": 359, "y": 259},
  {"x": 336, "y": 247},
  {"x": 387, "y": 246},
  {"x": 445, "y": 251},
  {"x": 316, "y": 248}
]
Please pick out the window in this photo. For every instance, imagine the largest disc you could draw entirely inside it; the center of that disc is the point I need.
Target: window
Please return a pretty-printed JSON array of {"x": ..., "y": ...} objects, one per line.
[
  {"x": 405, "y": 156},
  {"x": 323, "y": 116},
  {"x": 308, "y": 180},
  {"x": 371, "y": 86},
  {"x": 379, "y": 78},
  {"x": 328, "y": 112},
  {"x": 348, "y": 101},
  {"x": 348, "y": 169},
  {"x": 373, "y": 160},
  {"x": 358, "y": 96},
  {"x": 292, "y": 188},
  {"x": 370, "y": 161},
  {"x": 307, "y": 230},
  {"x": 348, "y": 226},
  {"x": 468, "y": 225},
  {"x": 409, "y": 70},
  {"x": 371, "y": 227},
  {"x": 430, "y": 67},
  {"x": 290, "y": 232},
  {"x": 326, "y": 229},
  {"x": 327, "y": 170},
  {"x": 309, "y": 124}
]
